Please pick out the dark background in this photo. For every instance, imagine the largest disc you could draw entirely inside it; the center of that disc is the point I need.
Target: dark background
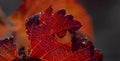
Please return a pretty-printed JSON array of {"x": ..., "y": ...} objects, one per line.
[{"x": 106, "y": 20}]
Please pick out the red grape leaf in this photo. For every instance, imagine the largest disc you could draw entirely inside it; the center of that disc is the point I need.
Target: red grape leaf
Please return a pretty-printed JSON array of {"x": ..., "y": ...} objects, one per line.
[
  {"x": 7, "y": 49},
  {"x": 41, "y": 29}
]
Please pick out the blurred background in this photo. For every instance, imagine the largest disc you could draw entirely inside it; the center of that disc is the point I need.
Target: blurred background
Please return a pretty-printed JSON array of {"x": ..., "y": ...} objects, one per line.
[{"x": 106, "y": 20}]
